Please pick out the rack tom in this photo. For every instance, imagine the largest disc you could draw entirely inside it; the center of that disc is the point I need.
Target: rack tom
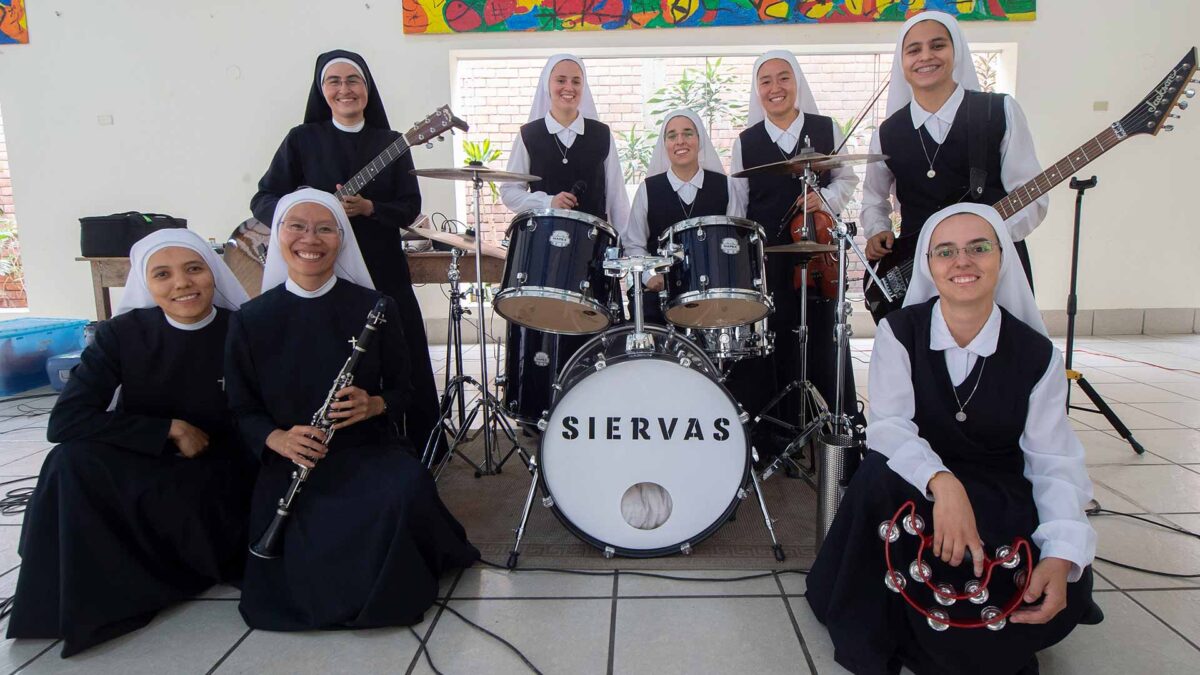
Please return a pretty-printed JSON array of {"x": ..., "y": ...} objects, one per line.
[
  {"x": 554, "y": 277},
  {"x": 720, "y": 281}
]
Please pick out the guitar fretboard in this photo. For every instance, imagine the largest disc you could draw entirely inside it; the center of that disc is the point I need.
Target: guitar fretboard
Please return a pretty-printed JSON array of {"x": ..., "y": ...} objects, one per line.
[
  {"x": 390, "y": 154},
  {"x": 1045, "y": 181}
]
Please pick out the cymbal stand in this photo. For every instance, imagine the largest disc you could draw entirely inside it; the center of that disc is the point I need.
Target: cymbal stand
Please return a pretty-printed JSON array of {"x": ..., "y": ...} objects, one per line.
[{"x": 486, "y": 405}]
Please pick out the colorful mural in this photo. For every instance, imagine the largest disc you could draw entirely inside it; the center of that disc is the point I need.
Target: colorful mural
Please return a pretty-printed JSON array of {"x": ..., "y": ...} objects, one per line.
[
  {"x": 484, "y": 16},
  {"x": 14, "y": 25}
]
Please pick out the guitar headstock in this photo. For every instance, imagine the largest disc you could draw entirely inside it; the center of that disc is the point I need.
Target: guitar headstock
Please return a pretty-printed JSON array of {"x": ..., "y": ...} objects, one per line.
[
  {"x": 1158, "y": 107},
  {"x": 433, "y": 126}
]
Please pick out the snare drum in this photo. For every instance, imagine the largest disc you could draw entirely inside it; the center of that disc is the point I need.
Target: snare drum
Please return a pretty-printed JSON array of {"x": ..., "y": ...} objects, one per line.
[
  {"x": 554, "y": 277},
  {"x": 720, "y": 282},
  {"x": 639, "y": 470},
  {"x": 736, "y": 342}
]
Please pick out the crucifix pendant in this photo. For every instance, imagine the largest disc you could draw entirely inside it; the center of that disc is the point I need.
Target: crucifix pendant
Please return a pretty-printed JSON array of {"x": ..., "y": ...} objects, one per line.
[
  {"x": 960, "y": 416},
  {"x": 931, "y": 173}
]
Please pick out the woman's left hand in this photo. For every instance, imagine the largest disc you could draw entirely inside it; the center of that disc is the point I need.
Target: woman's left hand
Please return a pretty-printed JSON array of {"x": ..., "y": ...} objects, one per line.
[
  {"x": 811, "y": 200},
  {"x": 357, "y": 206},
  {"x": 353, "y": 406},
  {"x": 1049, "y": 582}
]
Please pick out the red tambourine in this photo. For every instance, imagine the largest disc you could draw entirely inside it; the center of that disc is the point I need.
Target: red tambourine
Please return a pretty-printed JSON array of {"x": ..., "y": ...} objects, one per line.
[{"x": 975, "y": 590}]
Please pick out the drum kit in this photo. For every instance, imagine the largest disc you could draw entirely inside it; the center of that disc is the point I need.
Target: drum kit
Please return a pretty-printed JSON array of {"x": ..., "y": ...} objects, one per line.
[{"x": 643, "y": 451}]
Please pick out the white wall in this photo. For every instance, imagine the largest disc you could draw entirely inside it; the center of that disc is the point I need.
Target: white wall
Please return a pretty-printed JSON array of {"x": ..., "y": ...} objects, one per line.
[{"x": 201, "y": 94}]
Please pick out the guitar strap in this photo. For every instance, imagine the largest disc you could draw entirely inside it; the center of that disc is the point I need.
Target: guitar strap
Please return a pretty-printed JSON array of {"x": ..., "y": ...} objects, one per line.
[{"x": 979, "y": 117}]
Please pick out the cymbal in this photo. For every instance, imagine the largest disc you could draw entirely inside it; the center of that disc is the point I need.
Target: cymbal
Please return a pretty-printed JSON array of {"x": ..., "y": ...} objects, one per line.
[
  {"x": 468, "y": 174},
  {"x": 458, "y": 241},
  {"x": 817, "y": 161},
  {"x": 802, "y": 246}
]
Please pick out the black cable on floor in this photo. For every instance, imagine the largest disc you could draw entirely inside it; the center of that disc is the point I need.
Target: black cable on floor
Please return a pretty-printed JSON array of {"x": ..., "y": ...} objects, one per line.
[
  {"x": 499, "y": 639},
  {"x": 15, "y": 501},
  {"x": 6, "y": 606},
  {"x": 26, "y": 397},
  {"x": 425, "y": 649},
  {"x": 652, "y": 575},
  {"x": 1099, "y": 511}
]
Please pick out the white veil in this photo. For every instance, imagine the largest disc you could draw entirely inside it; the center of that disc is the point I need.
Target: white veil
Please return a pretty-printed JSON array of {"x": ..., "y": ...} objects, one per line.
[
  {"x": 1012, "y": 289},
  {"x": 349, "y": 265},
  {"x": 899, "y": 92},
  {"x": 228, "y": 293},
  {"x": 541, "y": 98},
  {"x": 805, "y": 102},
  {"x": 709, "y": 159}
]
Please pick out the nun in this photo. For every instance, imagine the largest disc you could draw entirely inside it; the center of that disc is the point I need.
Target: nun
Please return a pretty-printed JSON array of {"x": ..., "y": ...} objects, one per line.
[
  {"x": 345, "y": 127},
  {"x": 935, "y": 115},
  {"x": 685, "y": 179},
  {"x": 783, "y": 120},
  {"x": 967, "y": 420},
  {"x": 144, "y": 501},
  {"x": 368, "y": 538}
]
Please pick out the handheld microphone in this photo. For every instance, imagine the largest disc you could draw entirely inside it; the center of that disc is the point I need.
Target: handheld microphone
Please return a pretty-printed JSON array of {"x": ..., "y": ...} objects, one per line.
[{"x": 578, "y": 189}]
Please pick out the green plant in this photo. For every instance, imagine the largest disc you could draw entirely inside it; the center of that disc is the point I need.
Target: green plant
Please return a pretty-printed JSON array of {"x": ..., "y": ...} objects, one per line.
[
  {"x": 706, "y": 91},
  {"x": 482, "y": 152},
  {"x": 634, "y": 149},
  {"x": 986, "y": 64},
  {"x": 10, "y": 249}
]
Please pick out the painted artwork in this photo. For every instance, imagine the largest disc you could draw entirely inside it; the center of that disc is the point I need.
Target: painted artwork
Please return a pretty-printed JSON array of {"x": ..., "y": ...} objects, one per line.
[
  {"x": 486, "y": 16},
  {"x": 14, "y": 25}
]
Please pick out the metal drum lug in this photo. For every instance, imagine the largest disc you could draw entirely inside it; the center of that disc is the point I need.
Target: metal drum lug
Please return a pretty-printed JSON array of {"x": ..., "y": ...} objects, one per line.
[
  {"x": 548, "y": 502},
  {"x": 609, "y": 552}
]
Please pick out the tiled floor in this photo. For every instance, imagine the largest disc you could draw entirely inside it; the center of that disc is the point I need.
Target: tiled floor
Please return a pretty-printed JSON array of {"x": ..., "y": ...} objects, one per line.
[{"x": 625, "y": 623}]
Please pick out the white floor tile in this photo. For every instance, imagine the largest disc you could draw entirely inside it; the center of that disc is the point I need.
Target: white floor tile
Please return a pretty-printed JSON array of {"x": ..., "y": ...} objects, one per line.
[
  {"x": 816, "y": 638},
  {"x": 1137, "y": 392},
  {"x": 1143, "y": 545},
  {"x": 1187, "y": 414},
  {"x": 381, "y": 650},
  {"x": 479, "y": 582},
  {"x": 1129, "y": 640},
  {"x": 1177, "y": 445},
  {"x": 1133, "y": 418},
  {"x": 1177, "y": 608},
  {"x": 633, "y": 585},
  {"x": 1107, "y": 448},
  {"x": 1161, "y": 488}
]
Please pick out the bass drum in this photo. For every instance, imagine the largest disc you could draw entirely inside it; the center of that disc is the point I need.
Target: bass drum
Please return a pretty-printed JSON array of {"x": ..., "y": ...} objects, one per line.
[
  {"x": 532, "y": 361},
  {"x": 643, "y": 453}
]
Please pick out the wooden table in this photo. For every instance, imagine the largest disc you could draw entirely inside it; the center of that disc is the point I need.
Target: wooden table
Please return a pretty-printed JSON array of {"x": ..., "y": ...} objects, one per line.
[{"x": 426, "y": 268}]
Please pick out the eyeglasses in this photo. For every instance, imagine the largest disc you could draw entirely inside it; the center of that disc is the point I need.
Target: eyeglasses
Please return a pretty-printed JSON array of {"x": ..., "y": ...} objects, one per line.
[
  {"x": 321, "y": 230},
  {"x": 978, "y": 249},
  {"x": 686, "y": 135},
  {"x": 352, "y": 82}
]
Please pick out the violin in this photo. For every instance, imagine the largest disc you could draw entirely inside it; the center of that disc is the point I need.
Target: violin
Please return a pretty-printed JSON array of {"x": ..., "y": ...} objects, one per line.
[{"x": 823, "y": 267}]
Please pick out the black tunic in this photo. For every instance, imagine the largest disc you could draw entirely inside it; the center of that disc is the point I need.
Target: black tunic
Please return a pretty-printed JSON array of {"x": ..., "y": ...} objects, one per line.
[
  {"x": 921, "y": 196},
  {"x": 874, "y": 630},
  {"x": 585, "y": 162},
  {"x": 322, "y": 156},
  {"x": 120, "y": 525},
  {"x": 368, "y": 537},
  {"x": 769, "y": 200}
]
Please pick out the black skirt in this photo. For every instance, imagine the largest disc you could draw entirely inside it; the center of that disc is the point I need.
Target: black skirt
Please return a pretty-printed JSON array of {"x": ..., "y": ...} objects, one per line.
[
  {"x": 365, "y": 546},
  {"x": 112, "y": 536},
  {"x": 875, "y": 631}
]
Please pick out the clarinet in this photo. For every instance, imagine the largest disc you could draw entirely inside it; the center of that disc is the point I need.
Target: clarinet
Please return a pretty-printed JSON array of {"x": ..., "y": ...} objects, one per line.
[{"x": 269, "y": 544}]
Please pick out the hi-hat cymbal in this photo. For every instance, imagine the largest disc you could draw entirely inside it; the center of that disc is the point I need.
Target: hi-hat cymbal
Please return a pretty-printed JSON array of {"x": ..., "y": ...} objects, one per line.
[
  {"x": 815, "y": 160},
  {"x": 458, "y": 241},
  {"x": 469, "y": 173},
  {"x": 803, "y": 246}
]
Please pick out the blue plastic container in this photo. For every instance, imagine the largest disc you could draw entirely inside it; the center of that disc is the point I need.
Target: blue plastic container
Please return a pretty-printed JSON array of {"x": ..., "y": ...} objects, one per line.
[
  {"x": 25, "y": 346},
  {"x": 58, "y": 368}
]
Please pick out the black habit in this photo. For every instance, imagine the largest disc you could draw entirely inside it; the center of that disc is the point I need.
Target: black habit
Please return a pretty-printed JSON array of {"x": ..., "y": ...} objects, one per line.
[
  {"x": 317, "y": 154},
  {"x": 121, "y": 525},
  {"x": 368, "y": 537}
]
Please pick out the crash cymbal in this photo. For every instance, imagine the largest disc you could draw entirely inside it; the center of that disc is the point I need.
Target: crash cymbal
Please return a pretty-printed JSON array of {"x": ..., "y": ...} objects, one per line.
[
  {"x": 458, "y": 241},
  {"x": 803, "y": 246},
  {"x": 817, "y": 161},
  {"x": 468, "y": 174}
]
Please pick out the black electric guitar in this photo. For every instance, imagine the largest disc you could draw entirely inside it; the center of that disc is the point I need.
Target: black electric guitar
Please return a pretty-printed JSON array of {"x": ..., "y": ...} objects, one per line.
[
  {"x": 433, "y": 126},
  {"x": 1148, "y": 117}
]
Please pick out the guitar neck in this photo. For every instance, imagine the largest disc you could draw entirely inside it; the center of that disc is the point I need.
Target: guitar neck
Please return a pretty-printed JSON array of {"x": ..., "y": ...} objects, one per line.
[
  {"x": 1066, "y": 167},
  {"x": 368, "y": 173}
]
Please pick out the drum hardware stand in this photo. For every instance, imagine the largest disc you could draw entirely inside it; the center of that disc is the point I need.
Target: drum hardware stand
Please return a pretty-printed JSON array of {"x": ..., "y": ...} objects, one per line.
[
  {"x": 1102, "y": 407},
  {"x": 640, "y": 340},
  {"x": 487, "y": 405}
]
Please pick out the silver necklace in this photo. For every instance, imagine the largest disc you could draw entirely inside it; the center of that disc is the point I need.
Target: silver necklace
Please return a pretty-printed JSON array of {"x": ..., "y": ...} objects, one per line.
[
  {"x": 562, "y": 150},
  {"x": 687, "y": 208},
  {"x": 930, "y": 173},
  {"x": 960, "y": 415}
]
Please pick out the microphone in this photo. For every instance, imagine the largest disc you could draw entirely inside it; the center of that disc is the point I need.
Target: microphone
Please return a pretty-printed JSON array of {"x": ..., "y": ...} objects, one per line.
[{"x": 578, "y": 190}]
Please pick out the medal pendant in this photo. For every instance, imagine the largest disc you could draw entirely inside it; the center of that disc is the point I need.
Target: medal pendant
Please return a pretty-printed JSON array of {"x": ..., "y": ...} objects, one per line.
[
  {"x": 931, "y": 173},
  {"x": 960, "y": 416},
  {"x": 564, "y": 160}
]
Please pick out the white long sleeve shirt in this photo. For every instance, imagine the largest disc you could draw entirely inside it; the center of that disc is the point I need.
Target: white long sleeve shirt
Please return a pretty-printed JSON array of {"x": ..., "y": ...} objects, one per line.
[
  {"x": 1054, "y": 457},
  {"x": 1018, "y": 165},
  {"x": 518, "y": 198},
  {"x": 842, "y": 182},
  {"x": 637, "y": 235}
]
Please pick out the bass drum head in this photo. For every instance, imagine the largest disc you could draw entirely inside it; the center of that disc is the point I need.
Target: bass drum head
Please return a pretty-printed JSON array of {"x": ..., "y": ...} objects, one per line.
[{"x": 644, "y": 456}]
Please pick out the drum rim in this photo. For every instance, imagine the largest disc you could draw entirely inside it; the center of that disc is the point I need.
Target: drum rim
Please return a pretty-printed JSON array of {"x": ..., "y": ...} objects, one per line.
[
  {"x": 698, "y": 221},
  {"x": 560, "y": 390},
  {"x": 720, "y": 294},
  {"x": 569, "y": 215},
  {"x": 551, "y": 293}
]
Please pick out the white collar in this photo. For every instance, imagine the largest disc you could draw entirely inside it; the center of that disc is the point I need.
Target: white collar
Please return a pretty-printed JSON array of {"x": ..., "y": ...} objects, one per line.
[
  {"x": 946, "y": 113},
  {"x": 353, "y": 128},
  {"x": 984, "y": 343},
  {"x": 794, "y": 128},
  {"x": 295, "y": 288},
  {"x": 554, "y": 127},
  {"x": 192, "y": 326},
  {"x": 676, "y": 182}
]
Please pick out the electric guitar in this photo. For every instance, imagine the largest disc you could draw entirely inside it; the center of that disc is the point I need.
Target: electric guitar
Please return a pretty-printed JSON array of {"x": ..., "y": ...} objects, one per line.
[
  {"x": 433, "y": 126},
  {"x": 1148, "y": 117}
]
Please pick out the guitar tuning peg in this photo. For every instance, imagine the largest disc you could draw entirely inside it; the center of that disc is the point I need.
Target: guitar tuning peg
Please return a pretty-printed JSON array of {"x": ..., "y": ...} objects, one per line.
[
  {"x": 441, "y": 139},
  {"x": 429, "y": 145},
  {"x": 1169, "y": 127},
  {"x": 1183, "y": 105},
  {"x": 1190, "y": 93}
]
